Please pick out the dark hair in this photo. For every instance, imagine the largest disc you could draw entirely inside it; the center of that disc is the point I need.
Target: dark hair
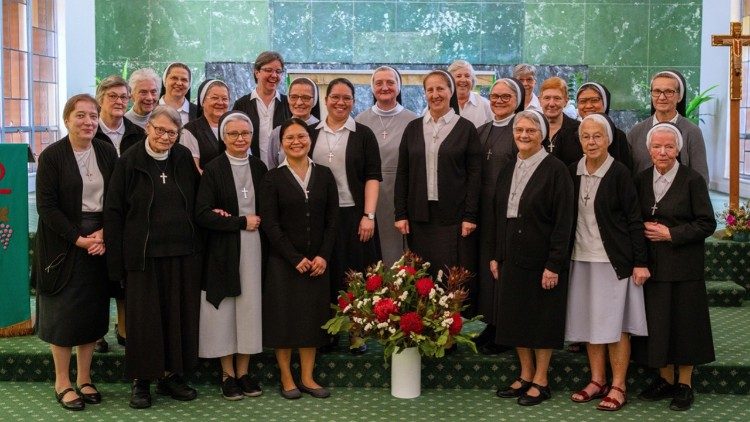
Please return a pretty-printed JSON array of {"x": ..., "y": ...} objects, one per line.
[
  {"x": 340, "y": 81},
  {"x": 70, "y": 105},
  {"x": 448, "y": 78},
  {"x": 171, "y": 66},
  {"x": 291, "y": 122},
  {"x": 316, "y": 95},
  {"x": 264, "y": 58}
]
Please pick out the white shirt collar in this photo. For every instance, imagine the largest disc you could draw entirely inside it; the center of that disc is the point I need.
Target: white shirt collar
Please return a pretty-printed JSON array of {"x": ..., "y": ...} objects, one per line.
[
  {"x": 185, "y": 105},
  {"x": 312, "y": 120},
  {"x": 446, "y": 118},
  {"x": 350, "y": 124},
  {"x": 534, "y": 159},
  {"x": 237, "y": 161},
  {"x": 472, "y": 99},
  {"x": 120, "y": 130},
  {"x": 672, "y": 120},
  {"x": 286, "y": 162},
  {"x": 600, "y": 172},
  {"x": 668, "y": 176},
  {"x": 254, "y": 94},
  {"x": 503, "y": 122}
]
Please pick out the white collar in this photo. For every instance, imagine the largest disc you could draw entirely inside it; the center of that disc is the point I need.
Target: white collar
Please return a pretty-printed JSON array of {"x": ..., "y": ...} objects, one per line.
[
  {"x": 312, "y": 120},
  {"x": 237, "y": 161},
  {"x": 472, "y": 99},
  {"x": 669, "y": 175},
  {"x": 534, "y": 159},
  {"x": 503, "y": 122},
  {"x": 120, "y": 130},
  {"x": 286, "y": 162},
  {"x": 446, "y": 118},
  {"x": 254, "y": 94},
  {"x": 185, "y": 108},
  {"x": 350, "y": 124},
  {"x": 600, "y": 172},
  {"x": 386, "y": 113},
  {"x": 158, "y": 156},
  {"x": 672, "y": 120}
]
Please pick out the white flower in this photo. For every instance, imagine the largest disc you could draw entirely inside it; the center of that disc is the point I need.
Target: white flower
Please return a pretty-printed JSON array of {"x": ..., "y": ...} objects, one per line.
[
  {"x": 426, "y": 265},
  {"x": 382, "y": 325},
  {"x": 403, "y": 295},
  {"x": 432, "y": 293},
  {"x": 383, "y": 291},
  {"x": 348, "y": 308},
  {"x": 440, "y": 290},
  {"x": 392, "y": 330},
  {"x": 440, "y": 276},
  {"x": 450, "y": 296},
  {"x": 443, "y": 301},
  {"x": 398, "y": 282},
  {"x": 446, "y": 314},
  {"x": 447, "y": 322},
  {"x": 401, "y": 273},
  {"x": 368, "y": 326},
  {"x": 375, "y": 299}
]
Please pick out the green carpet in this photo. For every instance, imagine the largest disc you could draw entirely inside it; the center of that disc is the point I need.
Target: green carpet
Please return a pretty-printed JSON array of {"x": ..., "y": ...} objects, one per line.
[{"x": 34, "y": 401}]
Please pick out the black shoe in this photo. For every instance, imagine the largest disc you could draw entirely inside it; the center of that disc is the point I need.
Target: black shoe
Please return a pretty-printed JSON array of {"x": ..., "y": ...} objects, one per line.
[
  {"x": 292, "y": 394},
  {"x": 357, "y": 351},
  {"x": 249, "y": 386},
  {"x": 511, "y": 392},
  {"x": 493, "y": 349},
  {"x": 658, "y": 390},
  {"x": 174, "y": 386},
  {"x": 122, "y": 341},
  {"x": 231, "y": 390},
  {"x": 91, "y": 398},
  {"x": 318, "y": 393},
  {"x": 683, "y": 397},
  {"x": 140, "y": 394},
  {"x": 544, "y": 394},
  {"x": 75, "y": 404},
  {"x": 331, "y": 346},
  {"x": 101, "y": 346}
]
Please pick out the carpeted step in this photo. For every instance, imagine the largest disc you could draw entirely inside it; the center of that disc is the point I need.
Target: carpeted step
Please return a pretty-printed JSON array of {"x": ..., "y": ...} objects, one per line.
[{"x": 724, "y": 293}]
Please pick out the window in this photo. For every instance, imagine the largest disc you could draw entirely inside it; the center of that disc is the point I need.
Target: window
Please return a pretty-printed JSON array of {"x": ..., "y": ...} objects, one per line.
[{"x": 29, "y": 70}]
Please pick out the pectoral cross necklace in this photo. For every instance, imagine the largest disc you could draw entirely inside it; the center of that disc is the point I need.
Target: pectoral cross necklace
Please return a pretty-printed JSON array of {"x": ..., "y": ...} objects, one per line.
[
  {"x": 163, "y": 170},
  {"x": 521, "y": 175},
  {"x": 84, "y": 162},
  {"x": 385, "y": 127},
  {"x": 659, "y": 195},
  {"x": 589, "y": 184},
  {"x": 244, "y": 192},
  {"x": 335, "y": 144},
  {"x": 436, "y": 132}
]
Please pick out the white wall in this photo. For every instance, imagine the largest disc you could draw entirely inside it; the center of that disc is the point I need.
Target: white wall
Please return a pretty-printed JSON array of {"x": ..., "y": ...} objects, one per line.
[{"x": 715, "y": 114}]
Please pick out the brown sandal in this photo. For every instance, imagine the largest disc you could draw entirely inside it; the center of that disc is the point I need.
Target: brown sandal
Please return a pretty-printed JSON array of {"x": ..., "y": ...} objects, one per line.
[
  {"x": 617, "y": 404},
  {"x": 602, "y": 392}
]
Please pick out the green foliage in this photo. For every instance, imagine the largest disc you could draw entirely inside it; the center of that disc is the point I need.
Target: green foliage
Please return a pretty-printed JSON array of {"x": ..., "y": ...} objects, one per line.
[
  {"x": 693, "y": 107},
  {"x": 124, "y": 73}
]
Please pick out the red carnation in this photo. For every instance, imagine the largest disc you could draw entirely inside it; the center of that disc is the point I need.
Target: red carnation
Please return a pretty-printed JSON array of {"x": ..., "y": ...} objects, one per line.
[
  {"x": 344, "y": 301},
  {"x": 409, "y": 269},
  {"x": 384, "y": 308},
  {"x": 424, "y": 285},
  {"x": 456, "y": 325},
  {"x": 373, "y": 283},
  {"x": 411, "y": 323}
]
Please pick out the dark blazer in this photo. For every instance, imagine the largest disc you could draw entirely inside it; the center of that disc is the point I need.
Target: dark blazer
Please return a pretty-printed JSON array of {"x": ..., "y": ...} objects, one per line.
[
  {"x": 192, "y": 112},
  {"x": 619, "y": 149},
  {"x": 459, "y": 175},
  {"x": 134, "y": 134},
  {"x": 545, "y": 218},
  {"x": 59, "y": 190},
  {"x": 248, "y": 106},
  {"x": 686, "y": 209},
  {"x": 128, "y": 206},
  {"x": 567, "y": 146},
  {"x": 221, "y": 274},
  {"x": 297, "y": 227},
  {"x": 362, "y": 161},
  {"x": 618, "y": 216},
  {"x": 208, "y": 144}
]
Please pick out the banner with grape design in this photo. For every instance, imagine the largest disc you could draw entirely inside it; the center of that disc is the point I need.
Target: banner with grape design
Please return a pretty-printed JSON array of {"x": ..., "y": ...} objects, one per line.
[{"x": 14, "y": 238}]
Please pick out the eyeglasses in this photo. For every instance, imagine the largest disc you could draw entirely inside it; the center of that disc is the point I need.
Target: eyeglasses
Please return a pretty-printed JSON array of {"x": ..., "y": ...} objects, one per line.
[
  {"x": 663, "y": 148},
  {"x": 160, "y": 131},
  {"x": 668, "y": 93},
  {"x": 345, "y": 98},
  {"x": 589, "y": 100},
  {"x": 114, "y": 97},
  {"x": 302, "y": 137},
  {"x": 596, "y": 137},
  {"x": 521, "y": 131},
  {"x": 272, "y": 71},
  {"x": 304, "y": 98},
  {"x": 234, "y": 135},
  {"x": 503, "y": 98},
  {"x": 217, "y": 99}
]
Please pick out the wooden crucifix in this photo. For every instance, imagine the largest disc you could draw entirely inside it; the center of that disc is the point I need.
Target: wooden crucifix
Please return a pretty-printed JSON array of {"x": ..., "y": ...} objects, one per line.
[{"x": 735, "y": 41}]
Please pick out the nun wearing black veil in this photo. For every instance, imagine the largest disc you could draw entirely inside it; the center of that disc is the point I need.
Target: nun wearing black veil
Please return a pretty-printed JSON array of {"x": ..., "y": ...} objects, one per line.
[
  {"x": 387, "y": 118},
  {"x": 593, "y": 97},
  {"x": 303, "y": 104},
  {"x": 668, "y": 105},
  {"x": 201, "y": 136}
]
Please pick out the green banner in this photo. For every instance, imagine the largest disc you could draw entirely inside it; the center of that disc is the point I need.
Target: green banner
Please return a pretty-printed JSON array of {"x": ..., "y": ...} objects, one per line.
[{"x": 14, "y": 235}]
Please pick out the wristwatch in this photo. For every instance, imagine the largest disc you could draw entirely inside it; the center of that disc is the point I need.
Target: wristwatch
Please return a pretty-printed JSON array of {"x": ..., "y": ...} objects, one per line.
[{"x": 370, "y": 215}]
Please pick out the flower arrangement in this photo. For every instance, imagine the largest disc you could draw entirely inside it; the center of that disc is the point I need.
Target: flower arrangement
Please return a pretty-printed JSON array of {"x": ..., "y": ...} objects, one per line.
[
  {"x": 737, "y": 219},
  {"x": 402, "y": 306}
]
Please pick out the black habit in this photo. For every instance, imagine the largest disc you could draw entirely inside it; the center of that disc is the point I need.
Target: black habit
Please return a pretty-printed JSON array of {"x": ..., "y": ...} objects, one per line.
[
  {"x": 679, "y": 326},
  {"x": 72, "y": 290},
  {"x": 295, "y": 305},
  {"x": 134, "y": 134},
  {"x": 153, "y": 245},
  {"x": 221, "y": 274},
  {"x": 248, "y": 106},
  {"x": 539, "y": 238},
  {"x": 565, "y": 144},
  {"x": 209, "y": 145}
]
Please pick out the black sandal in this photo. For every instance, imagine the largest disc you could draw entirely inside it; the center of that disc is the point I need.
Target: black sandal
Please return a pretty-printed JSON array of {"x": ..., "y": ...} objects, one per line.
[
  {"x": 75, "y": 404},
  {"x": 90, "y": 398},
  {"x": 511, "y": 392}
]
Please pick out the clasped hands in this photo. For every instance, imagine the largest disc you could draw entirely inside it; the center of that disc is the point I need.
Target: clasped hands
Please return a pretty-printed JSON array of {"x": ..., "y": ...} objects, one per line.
[
  {"x": 466, "y": 228},
  {"x": 93, "y": 243},
  {"x": 549, "y": 278},
  {"x": 316, "y": 267}
]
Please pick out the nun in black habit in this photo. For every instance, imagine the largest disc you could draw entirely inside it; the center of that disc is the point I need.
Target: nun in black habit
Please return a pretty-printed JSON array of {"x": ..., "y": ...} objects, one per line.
[
  {"x": 200, "y": 136},
  {"x": 593, "y": 97},
  {"x": 498, "y": 149}
]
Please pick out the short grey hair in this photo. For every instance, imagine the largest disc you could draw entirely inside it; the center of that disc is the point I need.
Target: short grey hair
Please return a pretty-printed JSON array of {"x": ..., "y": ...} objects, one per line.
[
  {"x": 169, "y": 112},
  {"x": 524, "y": 69},
  {"x": 144, "y": 74},
  {"x": 112, "y": 81},
  {"x": 458, "y": 64}
]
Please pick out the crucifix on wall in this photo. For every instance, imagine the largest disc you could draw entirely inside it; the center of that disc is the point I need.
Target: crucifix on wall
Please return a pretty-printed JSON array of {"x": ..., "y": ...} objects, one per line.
[{"x": 735, "y": 41}]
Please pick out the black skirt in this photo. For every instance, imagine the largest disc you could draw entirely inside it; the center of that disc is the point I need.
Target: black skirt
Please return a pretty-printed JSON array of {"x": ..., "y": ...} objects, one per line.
[
  {"x": 528, "y": 315},
  {"x": 349, "y": 253},
  {"x": 679, "y": 326},
  {"x": 79, "y": 313},
  {"x": 162, "y": 310}
]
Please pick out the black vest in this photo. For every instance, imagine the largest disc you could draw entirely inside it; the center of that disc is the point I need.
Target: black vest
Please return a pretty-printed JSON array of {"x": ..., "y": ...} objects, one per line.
[{"x": 208, "y": 145}]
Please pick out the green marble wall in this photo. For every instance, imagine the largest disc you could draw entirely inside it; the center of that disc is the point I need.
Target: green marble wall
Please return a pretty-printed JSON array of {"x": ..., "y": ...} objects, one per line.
[{"x": 622, "y": 41}]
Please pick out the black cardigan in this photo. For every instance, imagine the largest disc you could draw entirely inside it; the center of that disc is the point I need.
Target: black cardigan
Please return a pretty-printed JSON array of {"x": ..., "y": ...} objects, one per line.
[
  {"x": 248, "y": 106},
  {"x": 618, "y": 216},
  {"x": 297, "y": 227},
  {"x": 208, "y": 144},
  {"x": 545, "y": 218},
  {"x": 128, "y": 206},
  {"x": 221, "y": 274},
  {"x": 686, "y": 209},
  {"x": 567, "y": 146},
  {"x": 619, "y": 149},
  {"x": 59, "y": 190},
  {"x": 459, "y": 175},
  {"x": 362, "y": 161},
  {"x": 134, "y": 134}
]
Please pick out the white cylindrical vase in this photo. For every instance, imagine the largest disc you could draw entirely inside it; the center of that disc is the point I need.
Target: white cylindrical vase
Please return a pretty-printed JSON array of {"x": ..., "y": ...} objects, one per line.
[{"x": 406, "y": 373}]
